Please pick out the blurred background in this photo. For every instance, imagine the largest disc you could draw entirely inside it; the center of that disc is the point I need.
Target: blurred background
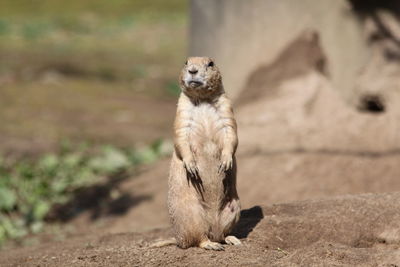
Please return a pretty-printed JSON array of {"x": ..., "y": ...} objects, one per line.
[{"x": 88, "y": 94}]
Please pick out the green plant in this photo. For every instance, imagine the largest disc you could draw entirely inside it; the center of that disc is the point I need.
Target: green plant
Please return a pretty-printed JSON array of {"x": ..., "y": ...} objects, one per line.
[
  {"x": 4, "y": 27},
  {"x": 34, "y": 31},
  {"x": 29, "y": 188}
]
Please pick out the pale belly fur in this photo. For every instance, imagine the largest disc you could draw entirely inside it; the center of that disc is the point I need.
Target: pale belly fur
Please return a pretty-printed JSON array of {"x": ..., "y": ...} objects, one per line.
[{"x": 206, "y": 137}]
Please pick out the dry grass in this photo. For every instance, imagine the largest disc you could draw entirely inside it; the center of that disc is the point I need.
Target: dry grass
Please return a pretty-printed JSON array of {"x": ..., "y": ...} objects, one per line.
[{"x": 70, "y": 69}]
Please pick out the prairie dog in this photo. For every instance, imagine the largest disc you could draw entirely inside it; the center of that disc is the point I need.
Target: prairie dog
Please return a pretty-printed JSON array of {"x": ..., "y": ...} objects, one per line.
[{"x": 202, "y": 198}]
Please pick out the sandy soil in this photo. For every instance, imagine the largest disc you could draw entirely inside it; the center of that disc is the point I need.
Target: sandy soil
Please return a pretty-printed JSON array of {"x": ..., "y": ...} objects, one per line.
[
  {"x": 360, "y": 230},
  {"x": 301, "y": 145}
]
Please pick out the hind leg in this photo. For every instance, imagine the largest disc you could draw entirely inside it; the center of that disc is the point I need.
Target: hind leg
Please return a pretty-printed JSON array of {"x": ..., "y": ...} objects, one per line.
[
  {"x": 191, "y": 226},
  {"x": 228, "y": 219},
  {"x": 185, "y": 210},
  {"x": 188, "y": 221},
  {"x": 188, "y": 224}
]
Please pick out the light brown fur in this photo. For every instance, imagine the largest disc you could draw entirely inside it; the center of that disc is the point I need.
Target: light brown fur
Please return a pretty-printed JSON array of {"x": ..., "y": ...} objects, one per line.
[{"x": 202, "y": 198}]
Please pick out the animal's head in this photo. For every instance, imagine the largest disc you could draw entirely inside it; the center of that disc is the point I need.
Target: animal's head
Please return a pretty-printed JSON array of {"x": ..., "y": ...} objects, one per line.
[{"x": 200, "y": 77}]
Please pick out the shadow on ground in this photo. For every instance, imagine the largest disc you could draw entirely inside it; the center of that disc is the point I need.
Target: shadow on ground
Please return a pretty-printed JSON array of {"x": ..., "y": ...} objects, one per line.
[
  {"x": 249, "y": 218},
  {"x": 100, "y": 200}
]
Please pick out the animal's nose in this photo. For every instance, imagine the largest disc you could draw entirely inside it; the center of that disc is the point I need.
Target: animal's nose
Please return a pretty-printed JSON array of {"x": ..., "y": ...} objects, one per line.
[{"x": 192, "y": 71}]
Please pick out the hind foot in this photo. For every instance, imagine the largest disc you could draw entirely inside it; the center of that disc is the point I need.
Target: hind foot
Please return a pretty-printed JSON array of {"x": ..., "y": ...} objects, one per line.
[
  {"x": 232, "y": 240},
  {"x": 211, "y": 245}
]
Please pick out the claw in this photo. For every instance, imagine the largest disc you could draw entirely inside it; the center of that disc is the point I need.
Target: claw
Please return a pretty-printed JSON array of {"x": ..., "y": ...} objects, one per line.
[
  {"x": 220, "y": 168},
  {"x": 193, "y": 172},
  {"x": 226, "y": 163},
  {"x": 232, "y": 240},
  {"x": 191, "y": 168},
  {"x": 230, "y": 165},
  {"x": 212, "y": 245}
]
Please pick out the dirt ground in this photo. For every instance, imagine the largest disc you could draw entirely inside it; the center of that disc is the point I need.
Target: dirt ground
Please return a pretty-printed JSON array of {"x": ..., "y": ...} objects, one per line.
[
  {"x": 75, "y": 110},
  {"x": 334, "y": 167},
  {"x": 360, "y": 230}
]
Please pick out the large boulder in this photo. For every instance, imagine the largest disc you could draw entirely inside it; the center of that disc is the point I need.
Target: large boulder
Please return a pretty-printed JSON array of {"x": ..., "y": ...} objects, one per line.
[
  {"x": 241, "y": 35},
  {"x": 300, "y": 140}
]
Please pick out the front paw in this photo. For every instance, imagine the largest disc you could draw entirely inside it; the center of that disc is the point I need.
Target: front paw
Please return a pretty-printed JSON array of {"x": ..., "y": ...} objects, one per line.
[
  {"x": 191, "y": 167},
  {"x": 226, "y": 162}
]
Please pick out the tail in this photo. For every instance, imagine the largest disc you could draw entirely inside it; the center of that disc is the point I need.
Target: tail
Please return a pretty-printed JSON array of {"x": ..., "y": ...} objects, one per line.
[{"x": 163, "y": 243}]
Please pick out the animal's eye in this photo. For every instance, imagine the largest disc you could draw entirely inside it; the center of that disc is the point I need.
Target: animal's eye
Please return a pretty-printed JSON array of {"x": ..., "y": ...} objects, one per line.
[
  {"x": 211, "y": 64},
  {"x": 186, "y": 63}
]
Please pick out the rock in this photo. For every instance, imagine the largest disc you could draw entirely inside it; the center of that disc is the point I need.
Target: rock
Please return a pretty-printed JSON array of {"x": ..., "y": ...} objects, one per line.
[{"x": 241, "y": 35}]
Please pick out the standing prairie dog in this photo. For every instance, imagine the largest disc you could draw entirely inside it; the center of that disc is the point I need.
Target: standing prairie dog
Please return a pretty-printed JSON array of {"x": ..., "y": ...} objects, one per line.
[{"x": 202, "y": 199}]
